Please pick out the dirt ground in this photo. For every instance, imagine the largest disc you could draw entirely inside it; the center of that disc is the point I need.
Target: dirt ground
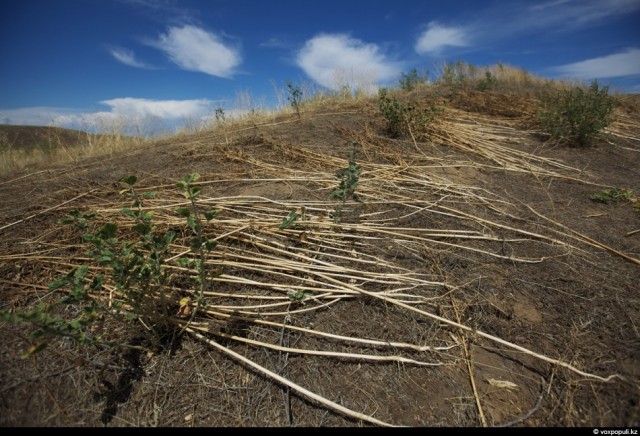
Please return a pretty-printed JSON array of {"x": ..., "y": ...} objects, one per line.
[{"x": 477, "y": 283}]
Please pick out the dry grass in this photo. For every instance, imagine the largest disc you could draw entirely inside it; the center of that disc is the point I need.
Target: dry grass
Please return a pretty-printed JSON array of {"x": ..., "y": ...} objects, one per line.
[
  {"x": 32, "y": 148},
  {"x": 414, "y": 299}
]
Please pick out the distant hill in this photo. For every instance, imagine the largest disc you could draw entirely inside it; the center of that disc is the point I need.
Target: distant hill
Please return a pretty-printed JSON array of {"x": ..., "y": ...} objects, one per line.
[{"x": 30, "y": 137}]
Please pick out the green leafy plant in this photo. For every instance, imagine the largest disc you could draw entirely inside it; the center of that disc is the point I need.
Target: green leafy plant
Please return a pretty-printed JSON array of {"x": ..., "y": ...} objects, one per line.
[
  {"x": 576, "y": 115},
  {"x": 345, "y": 190},
  {"x": 410, "y": 81},
  {"x": 404, "y": 118},
  {"x": 220, "y": 115},
  {"x": 298, "y": 296},
  {"x": 291, "y": 220},
  {"x": 133, "y": 261},
  {"x": 488, "y": 82},
  {"x": 614, "y": 195},
  {"x": 295, "y": 97},
  {"x": 200, "y": 243},
  {"x": 456, "y": 74}
]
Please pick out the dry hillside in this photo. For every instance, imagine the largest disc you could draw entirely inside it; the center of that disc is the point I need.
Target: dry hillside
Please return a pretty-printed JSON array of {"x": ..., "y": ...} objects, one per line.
[{"x": 476, "y": 282}]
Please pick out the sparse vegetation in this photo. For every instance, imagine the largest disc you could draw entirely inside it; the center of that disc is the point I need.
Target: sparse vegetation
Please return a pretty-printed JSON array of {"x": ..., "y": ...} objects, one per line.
[
  {"x": 404, "y": 118},
  {"x": 576, "y": 115},
  {"x": 613, "y": 195},
  {"x": 472, "y": 236},
  {"x": 488, "y": 82},
  {"x": 134, "y": 266},
  {"x": 220, "y": 115},
  {"x": 295, "y": 97},
  {"x": 346, "y": 189},
  {"x": 412, "y": 80}
]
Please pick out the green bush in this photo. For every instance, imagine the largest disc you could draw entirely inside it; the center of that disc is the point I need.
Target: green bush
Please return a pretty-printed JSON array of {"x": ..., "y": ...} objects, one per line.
[
  {"x": 576, "y": 115},
  {"x": 412, "y": 80},
  {"x": 403, "y": 118},
  {"x": 131, "y": 265},
  {"x": 345, "y": 190},
  {"x": 295, "y": 97},
  {"x": 488, "y": 82}
]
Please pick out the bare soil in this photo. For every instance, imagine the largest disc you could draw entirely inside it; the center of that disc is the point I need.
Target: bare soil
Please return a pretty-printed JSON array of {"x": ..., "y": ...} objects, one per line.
[{"x": 477, "y": 244}]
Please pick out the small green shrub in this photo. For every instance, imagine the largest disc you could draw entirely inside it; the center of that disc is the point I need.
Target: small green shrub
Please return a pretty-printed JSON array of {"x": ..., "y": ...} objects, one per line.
[
  {"x": 345, "y": 190},
  {"x": 133, "y": 262},
  {"x": 575, "y": 115},
  {"x": 488, "y": 82},
  {"x": 403, "y": 118},
  {"x": 291, "y": 220},
  {"x": 410, "y": 81},
  {"x": 456, "y": 74},
  {"x": 295, "y": 97},
  {"x": 220, "y": 116},
  {"x": 614, "y": 195}
]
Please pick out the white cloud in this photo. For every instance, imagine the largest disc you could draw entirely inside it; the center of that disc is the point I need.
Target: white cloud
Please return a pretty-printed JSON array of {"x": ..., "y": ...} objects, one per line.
[
  {"x": 551, "y": 4},
  {"x": 194, "y": 49},
  {"x": 334, "y": 60},
  {"x": 499, "y": 23},
  {"x": 436, "y": 37},
  {"x": 575, "y": 13},
  {"x": 158, "y": 108},
  {"x": 622, "y": 64},
  {"x": 127, "y": 57}
]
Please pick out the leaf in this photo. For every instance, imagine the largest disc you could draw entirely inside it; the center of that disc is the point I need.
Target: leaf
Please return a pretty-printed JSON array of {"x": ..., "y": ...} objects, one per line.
[
  {"x": 184, "y": 263},
  {"x": 58, "y": 283},
  {"x": 169, "y": 237},
  {"x": 184, "y": 211},
  {"x": 503, "y": 384},
  {"x": 80, "y": 273},
  {"x": 142, "y": 229},
  {"x": 34, "y": 349},
  {"x": 192, "y": 223},
  {"x": 195, "y": 191},
  {"x": 129, "y": 180},
  {"x": 67, "y": 220},
  {"x": 97, "y": 282},
  {"x": 128, "y": 212},
  {"x": 108, "y": 231},
  {"x": 149, "y": 194},
  {"x": 210, "y": 214}
]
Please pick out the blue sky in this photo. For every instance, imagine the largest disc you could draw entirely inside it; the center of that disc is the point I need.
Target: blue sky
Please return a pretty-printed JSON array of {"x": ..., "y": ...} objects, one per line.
[{"x": 88, "y": 63}]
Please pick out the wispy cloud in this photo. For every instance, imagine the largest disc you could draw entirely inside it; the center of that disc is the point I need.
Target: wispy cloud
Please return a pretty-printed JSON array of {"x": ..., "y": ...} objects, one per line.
[
  {"x": 520, "y": 18},
  {"x": 335, "y": 60},
  {"x": 551, "y": 4},
  {"x": 626, "y": 63},
  {"x": 128, "y": 57},
  {"x": 163, "y": 10},
  {"x": 194, "y": 49},
  {"x": 437, "y": 36},
  {"x": 575, "y": 13},
  {"x": 275, "y": 43}
]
